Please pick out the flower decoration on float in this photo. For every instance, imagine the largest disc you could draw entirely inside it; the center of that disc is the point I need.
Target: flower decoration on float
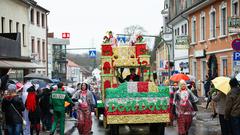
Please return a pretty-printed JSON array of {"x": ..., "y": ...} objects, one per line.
[{"x": 139, "y": 39}]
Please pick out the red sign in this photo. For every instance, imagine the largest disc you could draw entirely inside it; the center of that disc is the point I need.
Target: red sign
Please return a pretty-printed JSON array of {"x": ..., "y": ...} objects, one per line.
[
  {"x": 65, "y": 35},
  {"x": 236, "y": 44}
]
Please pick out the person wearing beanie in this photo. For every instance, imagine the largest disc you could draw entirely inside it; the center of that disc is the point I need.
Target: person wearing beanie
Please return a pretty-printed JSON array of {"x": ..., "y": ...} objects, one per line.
[
  {"x": 32, "y": 105},
  {"x": 12, "y": 106},
  {"x": 57, "y": 100},
  {"x": 232, "y": 110}
]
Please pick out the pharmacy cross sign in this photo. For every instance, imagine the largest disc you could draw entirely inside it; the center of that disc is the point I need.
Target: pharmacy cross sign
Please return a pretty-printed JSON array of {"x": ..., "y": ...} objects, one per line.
[{"x": 92, "y": 53}]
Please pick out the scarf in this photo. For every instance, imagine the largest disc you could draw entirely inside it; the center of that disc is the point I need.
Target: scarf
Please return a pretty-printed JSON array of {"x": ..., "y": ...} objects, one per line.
[{"x": 31, "y": 102}]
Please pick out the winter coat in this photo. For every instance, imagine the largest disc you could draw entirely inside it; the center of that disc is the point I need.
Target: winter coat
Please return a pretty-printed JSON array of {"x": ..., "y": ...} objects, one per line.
[
  {"x": 3, "y": 82},
  {"x": 233, "y": 103},
  {"x": 44, "y": 102},
  {"x": 11, "y": 116},
  {"x": 90, "y": 98},
  {"x": 57, "y": 100},
  {"x": 220, "y": 99}
]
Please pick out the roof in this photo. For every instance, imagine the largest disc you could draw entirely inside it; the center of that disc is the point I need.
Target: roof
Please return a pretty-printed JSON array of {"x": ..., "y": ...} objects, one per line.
[
  {"x": 18, "y": 64},
  {"x": 71, "y": 64}
]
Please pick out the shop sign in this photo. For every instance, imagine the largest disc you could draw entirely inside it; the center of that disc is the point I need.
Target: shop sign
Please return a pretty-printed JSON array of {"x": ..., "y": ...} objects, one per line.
[
  {"x": 199, "y": 53},
  {"x": 182, "y": 42},
  {"x": 234, "y": 24},
  {"x": 236, "y": 56}
]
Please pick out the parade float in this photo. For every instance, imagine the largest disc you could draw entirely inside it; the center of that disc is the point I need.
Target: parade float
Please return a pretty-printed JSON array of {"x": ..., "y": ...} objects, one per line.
[{"x": 140, "y": 102}]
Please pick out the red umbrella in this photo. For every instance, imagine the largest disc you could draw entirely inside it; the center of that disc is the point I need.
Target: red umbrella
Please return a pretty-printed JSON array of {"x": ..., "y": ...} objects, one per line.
[{"x": 178, "y": 77}]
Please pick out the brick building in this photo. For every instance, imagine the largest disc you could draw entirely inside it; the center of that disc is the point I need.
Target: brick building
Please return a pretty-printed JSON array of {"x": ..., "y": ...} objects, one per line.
[{"x": 210, "y": 51}]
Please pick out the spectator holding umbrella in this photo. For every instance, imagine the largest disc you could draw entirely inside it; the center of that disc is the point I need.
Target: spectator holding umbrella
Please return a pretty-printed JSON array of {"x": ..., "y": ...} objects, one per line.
[{"x": 232, "y": 110}]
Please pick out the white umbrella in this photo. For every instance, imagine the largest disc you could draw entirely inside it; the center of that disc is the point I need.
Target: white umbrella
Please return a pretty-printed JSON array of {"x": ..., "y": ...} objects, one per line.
[
  {"x": 238, "y": 76},
  {"x": 191, "y": 77},
  {"x": 70, "y": 90}
]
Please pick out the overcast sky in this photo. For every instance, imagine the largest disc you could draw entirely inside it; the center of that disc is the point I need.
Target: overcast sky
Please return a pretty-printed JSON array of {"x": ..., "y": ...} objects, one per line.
[{"x": 88, "y": 20}]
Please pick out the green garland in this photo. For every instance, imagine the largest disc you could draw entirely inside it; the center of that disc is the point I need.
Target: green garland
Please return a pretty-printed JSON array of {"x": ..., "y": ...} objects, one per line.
[{"x": 143, "y": 105}]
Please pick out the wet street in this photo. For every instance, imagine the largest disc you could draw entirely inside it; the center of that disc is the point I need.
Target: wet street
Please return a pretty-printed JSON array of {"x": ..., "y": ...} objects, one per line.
[{"x": 202, "y": 125}]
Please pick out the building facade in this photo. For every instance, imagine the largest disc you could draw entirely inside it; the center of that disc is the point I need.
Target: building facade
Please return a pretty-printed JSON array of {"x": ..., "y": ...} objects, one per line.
[
  {"x": 57, "y": 61},
  {"x": 162, "y": 49},
  {"x": 15, "y": 49},
  {"x": 38, "y": 37},
  {"x": 74, "y": 74},
  {"x": 211, "y": 52}
]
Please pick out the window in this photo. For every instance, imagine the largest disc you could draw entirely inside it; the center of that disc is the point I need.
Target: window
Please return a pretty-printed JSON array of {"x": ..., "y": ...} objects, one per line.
[
  {"x": 202, "y": 26},
  {"x": 185, "y": 26},
  {"x": 38, "y": 18},
  {"x": 23, "y": 34},
  {"x": 224, "y": 67},
  {"x": 39, "y": 49},
  {"x": 3, "y": 23},
  {"x": 43, "y": 20},
  {"x": 178, "y": 31},
  {"x": 32, "y": 16},
  {"x": 223, "y": 19},
  {"x": 183, "y": 30},
  {"x": 43, "y": 50},
  {"x": 10, "y": 26},
  {"x": 33, "y": 44},
  {"x": 235, "y": 5},
  {"x": 194, "y": 29},
  {"x": 17, "y": 26},
  {"x": 212, "y": 23}
]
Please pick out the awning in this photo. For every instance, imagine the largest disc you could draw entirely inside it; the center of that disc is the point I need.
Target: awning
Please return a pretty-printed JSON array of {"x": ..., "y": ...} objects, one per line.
[{"x": 18, "y": 64}]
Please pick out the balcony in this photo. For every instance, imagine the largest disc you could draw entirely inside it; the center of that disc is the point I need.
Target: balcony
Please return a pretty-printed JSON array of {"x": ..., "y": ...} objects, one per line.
[{"x": 10, "y": 45}]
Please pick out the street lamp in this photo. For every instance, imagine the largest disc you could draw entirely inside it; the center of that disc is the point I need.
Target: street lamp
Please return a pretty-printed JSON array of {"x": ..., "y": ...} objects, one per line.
[{"x": 164, "y": 41}]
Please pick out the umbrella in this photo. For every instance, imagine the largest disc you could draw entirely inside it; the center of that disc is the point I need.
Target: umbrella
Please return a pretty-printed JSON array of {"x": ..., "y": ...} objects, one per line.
[
  {"x": 222, "y": 83},
  {"x": 178, "y": 77},
  {"x": 238, "y": 77},
  {"x": 37, "y": 76},
  {"x": 69, "y": 90},
  {"x": 191, "y": 77}
]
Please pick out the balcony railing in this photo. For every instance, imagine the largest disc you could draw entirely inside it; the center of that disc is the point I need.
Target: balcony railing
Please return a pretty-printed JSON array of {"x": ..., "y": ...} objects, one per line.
[{"x": 10, "y": 45}]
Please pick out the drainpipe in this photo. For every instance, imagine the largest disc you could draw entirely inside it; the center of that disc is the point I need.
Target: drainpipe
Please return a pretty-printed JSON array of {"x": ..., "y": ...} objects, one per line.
[
  {"x": 169, "y": 48},
  {"x": 47, "y": 42}
]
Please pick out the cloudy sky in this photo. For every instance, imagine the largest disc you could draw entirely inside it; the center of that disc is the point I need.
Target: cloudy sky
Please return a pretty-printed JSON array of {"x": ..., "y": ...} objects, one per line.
[{"x": 88, "y": 20}]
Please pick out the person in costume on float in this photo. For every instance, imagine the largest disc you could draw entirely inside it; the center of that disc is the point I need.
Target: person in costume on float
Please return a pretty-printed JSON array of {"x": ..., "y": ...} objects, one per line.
[
  {"x": 57, "y": 100},
  {"x": 133, "y": 77},
  {"x": 85, "y": 102}
]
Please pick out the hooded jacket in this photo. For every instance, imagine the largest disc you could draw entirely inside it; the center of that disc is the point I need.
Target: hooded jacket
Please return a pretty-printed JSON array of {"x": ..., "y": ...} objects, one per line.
[
  {"x": 233, "y": 103},
  {"x": 11, "y": 116}
]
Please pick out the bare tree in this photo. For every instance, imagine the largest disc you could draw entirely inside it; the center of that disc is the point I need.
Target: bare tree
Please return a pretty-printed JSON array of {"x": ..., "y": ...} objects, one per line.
[{"x": 134, "y": 30}]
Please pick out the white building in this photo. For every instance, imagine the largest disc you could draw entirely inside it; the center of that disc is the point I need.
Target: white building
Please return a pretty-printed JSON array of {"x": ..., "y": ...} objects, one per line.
[
  {"x": 74, "y": 74},
  {"x": 57, "y": 62},
  {"x": 181, "y": 60},
  {"x": 38, "y": 36},
  {"x": 15, "y": 37},
  {"x": 15, "y": 18}
]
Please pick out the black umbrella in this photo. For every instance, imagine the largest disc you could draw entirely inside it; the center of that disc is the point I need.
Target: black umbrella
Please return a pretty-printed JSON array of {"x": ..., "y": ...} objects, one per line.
[{"x": 38, "y": 76}]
